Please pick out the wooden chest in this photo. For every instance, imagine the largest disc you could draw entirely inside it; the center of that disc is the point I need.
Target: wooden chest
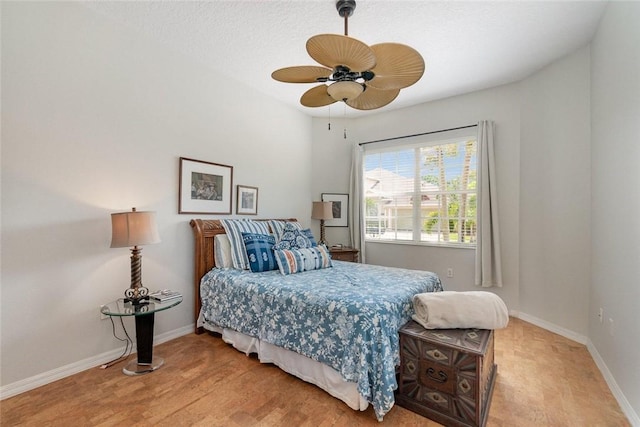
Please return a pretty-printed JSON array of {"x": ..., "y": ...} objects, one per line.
[{"x": 447, "y": 375}]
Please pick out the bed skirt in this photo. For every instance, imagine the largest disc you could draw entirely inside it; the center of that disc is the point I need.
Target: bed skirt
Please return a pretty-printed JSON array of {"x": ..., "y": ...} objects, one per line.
[{"x": 309, "y": 370}]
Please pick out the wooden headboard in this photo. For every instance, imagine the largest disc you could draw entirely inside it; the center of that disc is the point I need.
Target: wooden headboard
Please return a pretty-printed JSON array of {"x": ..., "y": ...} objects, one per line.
[{"x": 204, "y": 232}]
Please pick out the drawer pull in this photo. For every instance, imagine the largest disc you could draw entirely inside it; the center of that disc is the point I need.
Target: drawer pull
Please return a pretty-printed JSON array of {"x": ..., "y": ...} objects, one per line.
[{"x": 441, "y": 378}]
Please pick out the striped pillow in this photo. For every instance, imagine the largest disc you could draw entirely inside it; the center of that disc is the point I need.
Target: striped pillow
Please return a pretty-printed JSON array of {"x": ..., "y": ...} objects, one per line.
[
  {"x": 291, "y": 261},
  {"x": 234, "y": 229}
]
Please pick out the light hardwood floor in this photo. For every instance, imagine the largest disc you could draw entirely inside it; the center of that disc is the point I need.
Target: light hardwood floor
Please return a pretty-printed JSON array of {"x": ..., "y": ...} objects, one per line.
[{"x": 543, "y": 380}]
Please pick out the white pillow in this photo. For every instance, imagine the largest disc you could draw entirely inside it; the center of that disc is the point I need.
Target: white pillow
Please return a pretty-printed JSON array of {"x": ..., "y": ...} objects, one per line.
[{"x": 222, "y": 251}]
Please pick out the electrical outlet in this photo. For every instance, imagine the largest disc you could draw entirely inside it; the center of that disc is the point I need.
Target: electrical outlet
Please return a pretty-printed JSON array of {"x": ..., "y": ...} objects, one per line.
[
  {"x": 449, "y": 272},
  {"x": 102, "y": 315},
  {"x": 601, "y": 315}
]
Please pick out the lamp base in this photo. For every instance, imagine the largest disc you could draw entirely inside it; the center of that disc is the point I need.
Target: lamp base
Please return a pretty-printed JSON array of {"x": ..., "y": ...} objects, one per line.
[
  {"x": 322, "y": 240},
  {"x": 135, "y": 368},
  {"x": 136, "y": 295}
]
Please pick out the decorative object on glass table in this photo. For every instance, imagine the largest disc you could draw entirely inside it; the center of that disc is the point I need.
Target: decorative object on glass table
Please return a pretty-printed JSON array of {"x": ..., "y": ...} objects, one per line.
[{"x": 165, "y": 295}]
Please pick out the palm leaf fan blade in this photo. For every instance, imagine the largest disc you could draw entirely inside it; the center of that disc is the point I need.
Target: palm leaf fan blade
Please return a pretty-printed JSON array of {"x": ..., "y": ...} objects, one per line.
[
  {"x": 373, "y": 98},
  {"x": 332, "y": 50},
  {"x": 398, "y": 66},
  {"x": 316, "y": 97},
  {"x": 301, "y": 74}
]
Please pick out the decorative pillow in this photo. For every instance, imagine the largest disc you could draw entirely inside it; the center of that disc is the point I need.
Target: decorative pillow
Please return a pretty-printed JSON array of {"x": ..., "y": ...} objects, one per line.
[
  {"x": 299, "y": 260},
  {"x": 292, "y": 238},
  {"x": 260, "y": 251},
  {"x": 277, "y": 227},
  {"x": 234, "y": 229},
  {"x": 222, "y": 251},
  {"x": 309, "y": 235}
]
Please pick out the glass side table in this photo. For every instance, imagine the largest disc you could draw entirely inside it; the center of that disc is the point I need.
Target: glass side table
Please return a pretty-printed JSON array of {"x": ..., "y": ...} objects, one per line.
[{"x": 144, "y": 314}]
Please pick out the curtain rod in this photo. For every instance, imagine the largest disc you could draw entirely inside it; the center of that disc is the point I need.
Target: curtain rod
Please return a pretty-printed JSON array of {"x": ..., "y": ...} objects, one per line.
[{"x": 417, "y": 134}]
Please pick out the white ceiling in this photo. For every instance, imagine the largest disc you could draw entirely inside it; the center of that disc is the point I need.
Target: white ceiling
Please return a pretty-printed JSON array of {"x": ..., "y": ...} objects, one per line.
[{"x": 466, "y": 46}]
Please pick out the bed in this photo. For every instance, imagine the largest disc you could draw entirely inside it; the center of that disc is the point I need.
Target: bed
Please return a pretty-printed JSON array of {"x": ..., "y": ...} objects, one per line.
[{"x": 334, "y": 327}]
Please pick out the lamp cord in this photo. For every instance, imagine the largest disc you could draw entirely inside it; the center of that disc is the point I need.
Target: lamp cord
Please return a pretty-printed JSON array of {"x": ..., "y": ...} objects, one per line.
[{"x": 127, "y": 348}]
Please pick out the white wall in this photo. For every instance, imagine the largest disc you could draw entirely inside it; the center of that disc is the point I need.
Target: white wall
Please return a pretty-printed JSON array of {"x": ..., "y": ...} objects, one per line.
[
  {"x": 555, "y": 189},
  {"x": 94, "y": 119},
  {"x": 330, "y": 167},
  {"x": 615, "y": 204},
  {"x": 542, "y": 157},
  {"x": 498, "y": 104}
]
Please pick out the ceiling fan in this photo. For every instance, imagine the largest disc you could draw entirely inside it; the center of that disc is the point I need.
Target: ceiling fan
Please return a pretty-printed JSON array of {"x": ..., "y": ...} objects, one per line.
[{"x": 364, "y": 77}]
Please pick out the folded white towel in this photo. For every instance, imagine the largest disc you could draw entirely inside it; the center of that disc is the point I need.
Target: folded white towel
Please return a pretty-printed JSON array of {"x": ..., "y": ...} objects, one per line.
[{"x": 460, "y": 310}]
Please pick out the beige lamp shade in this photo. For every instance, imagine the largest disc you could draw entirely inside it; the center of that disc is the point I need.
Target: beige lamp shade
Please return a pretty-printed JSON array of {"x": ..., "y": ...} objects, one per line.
[
  {"x": 322, "y": 210},
  {"x": 133, "y": 229},
  {"x": 344, "y": 91}
]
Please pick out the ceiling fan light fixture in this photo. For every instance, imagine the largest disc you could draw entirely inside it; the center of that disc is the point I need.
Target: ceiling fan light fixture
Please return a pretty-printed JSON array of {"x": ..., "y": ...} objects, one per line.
[
  {"x": 345, "y": 90},
  {"x": 363, "y": 77}
]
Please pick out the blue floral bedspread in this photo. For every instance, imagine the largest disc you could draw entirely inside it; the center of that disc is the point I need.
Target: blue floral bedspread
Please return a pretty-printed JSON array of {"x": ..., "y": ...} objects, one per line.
[{"x": 346, "y": 316}]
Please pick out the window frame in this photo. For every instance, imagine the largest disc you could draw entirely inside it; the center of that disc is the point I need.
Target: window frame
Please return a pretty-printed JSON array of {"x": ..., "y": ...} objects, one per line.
[{"x": 416, "y": 143}]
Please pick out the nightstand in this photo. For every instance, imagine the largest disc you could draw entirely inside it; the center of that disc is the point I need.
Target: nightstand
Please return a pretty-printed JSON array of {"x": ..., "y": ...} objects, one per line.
[
  {"x": 344, "y": 254},
  {"x": 145, "y": 315}
]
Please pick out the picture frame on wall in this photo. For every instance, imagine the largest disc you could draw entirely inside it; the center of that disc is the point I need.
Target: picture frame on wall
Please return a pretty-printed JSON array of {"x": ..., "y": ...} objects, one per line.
[
  {"x": 205, "y": 187},
  {"x": 340, "y": 209},
  {"x": 246, "y": 200}
]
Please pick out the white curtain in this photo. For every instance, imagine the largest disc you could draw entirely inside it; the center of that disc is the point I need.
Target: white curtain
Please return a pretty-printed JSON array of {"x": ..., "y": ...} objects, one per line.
[
  {"x": 356, "y": 208},
  {"x": 488, "y": 265}
]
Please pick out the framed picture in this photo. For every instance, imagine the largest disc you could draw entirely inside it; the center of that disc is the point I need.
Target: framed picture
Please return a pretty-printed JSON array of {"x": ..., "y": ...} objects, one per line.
[
  {"x": 205, "y": 187},
  {"x": 340, "y": 209},
  {"x": 247, "y": 200}
]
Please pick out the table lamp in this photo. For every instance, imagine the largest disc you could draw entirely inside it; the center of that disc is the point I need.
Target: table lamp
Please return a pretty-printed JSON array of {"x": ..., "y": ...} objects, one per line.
[
  {"x": 133, "y": 229},
  {"x": 322, "y": 211}
]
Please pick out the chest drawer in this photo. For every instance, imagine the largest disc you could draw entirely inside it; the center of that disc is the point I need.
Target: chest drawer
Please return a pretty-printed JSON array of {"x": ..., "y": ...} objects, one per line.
[{"x": 447, "y": 374}]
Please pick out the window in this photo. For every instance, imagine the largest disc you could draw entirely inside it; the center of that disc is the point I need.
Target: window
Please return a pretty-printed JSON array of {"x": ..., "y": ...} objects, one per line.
[{"x": 422, "y": 193}]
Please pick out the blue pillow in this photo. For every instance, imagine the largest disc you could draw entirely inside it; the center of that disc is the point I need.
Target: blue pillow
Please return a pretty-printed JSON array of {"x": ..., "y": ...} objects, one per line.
[
  {"x": 234, "y": 229},
  {"x": 292, "y": 238},
  {"x": 260, "y": 251},
  {"x": 309, "y": 235}
]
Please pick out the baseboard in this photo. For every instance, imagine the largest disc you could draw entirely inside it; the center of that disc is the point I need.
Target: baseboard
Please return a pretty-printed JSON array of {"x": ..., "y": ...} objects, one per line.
[
  {"x": 44, "y": 378},
  {"x": 573, "y": 336},
  {"x": 632, "y": 416},
  {"x": 604, "y": 370}
]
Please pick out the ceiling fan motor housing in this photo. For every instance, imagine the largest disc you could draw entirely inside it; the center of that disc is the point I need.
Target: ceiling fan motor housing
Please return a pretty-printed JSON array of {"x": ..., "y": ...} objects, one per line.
[{"x": 345, "y": 7}]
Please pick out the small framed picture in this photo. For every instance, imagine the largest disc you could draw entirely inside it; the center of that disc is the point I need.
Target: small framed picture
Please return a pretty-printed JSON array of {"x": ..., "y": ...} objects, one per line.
[
  {"x": 247, "y": 200},
  {"x": 205, "y": 187},
  {"x": 340, "y": 209}
]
